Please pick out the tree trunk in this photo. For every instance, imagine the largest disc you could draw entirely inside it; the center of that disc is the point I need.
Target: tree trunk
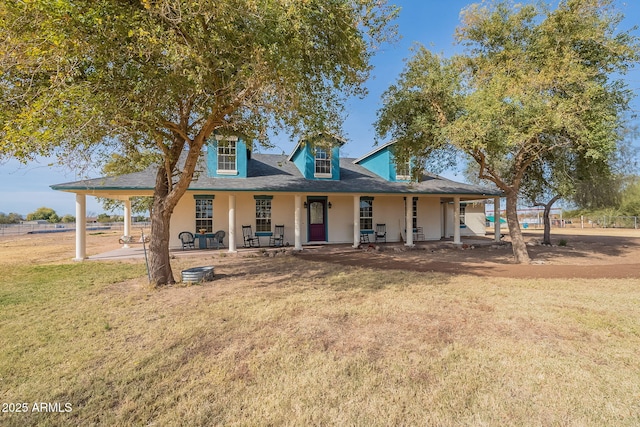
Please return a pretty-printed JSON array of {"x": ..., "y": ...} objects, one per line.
[
  {"x": 546, "y": 239},
  {"x": 160, "y": 270},
  {"x": 159, "y": 261},
  {"x": 520, "y": 253}
]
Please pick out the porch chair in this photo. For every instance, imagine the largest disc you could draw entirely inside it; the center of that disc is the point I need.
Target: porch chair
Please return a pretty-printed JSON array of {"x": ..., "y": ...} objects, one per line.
[
  {"x": 381, "y": 233},
  {"x": 277, "y": 239},
  {"x": 418, "y": 234},
  {"x": 217, "y": 239},
  {"x": 250, "y": 240},
  {"x": 188, "y": 240},
  {"x": 364, "y": 237}
]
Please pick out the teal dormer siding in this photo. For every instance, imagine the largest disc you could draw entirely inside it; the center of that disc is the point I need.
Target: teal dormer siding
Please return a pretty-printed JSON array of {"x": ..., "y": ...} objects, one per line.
[
  {"x": 335, "y": 163},
  {"x": 303, "y": 161},
  {"x": 304, "y": 157},
  {"x": 233, "y": 166},
  {"x": 382, "y": 162}
]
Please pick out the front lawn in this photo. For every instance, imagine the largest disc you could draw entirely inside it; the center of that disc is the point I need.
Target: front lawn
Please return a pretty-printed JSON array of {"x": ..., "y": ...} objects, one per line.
[{"x": 276, "y": 341}]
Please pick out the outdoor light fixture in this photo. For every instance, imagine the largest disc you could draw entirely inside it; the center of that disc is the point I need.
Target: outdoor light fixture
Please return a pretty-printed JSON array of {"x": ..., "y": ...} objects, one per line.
[
  {"x": 329, "y": 204},
  {"x": 305, "y": 205}
]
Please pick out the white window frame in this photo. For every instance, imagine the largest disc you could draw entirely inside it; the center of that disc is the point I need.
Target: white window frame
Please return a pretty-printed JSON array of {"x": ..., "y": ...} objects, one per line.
[
  {"x": 322, "y": 163},
  {"x": 229, "y": 144},
  {"x": 366, "y": 214},
  {"x": 204, "y": 214},
  {"x": 263, "y": 215}
]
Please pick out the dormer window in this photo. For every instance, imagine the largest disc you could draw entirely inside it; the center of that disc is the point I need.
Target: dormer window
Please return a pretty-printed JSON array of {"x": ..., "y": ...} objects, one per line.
[
  {"x": 322, "y": 163},
  {"x": 227, "y": 158},
  {"x": 403, "y": 171}
]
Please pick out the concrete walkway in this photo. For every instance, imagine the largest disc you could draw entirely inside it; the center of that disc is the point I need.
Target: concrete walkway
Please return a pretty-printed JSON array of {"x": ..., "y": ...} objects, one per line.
[{"x": 137, "y": 252}]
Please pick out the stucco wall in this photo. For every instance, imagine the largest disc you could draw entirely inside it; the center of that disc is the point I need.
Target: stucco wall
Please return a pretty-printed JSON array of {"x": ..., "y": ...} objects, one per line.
[
  {"x": 386, "y": 209},
  {"x": 429, "y": 217},
  {"x": 474, "y": 220}
]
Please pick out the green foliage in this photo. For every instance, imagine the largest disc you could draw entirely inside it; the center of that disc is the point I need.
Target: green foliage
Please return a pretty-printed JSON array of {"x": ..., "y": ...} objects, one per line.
[
  {"x": 76, "y": 73},
  {"x": 43, "y": 213},
  {"x": 68, "y": 219},
  {"x": 532, "y": 82},
  {"x": 80, "y": 75},
  {"x": 536, "y": 93},
  {"x": 630, "y": 205},
  {"x": 103, "y": 217},
  {"x": 134, "y": 160},
  {"x": 12, "y": 218},
  {"x": 628, "y": 197}
]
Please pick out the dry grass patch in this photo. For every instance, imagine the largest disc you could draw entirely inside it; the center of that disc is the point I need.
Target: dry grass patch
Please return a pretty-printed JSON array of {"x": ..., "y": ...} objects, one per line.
[{"x": 286, "y": 341}]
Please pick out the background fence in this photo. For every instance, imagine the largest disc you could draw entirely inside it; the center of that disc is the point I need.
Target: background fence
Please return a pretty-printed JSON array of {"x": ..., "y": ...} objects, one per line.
[
  {"x": 584, "y": 222},
  {"x": 603, "y": 222},
  {"x": 27, "y": 228}
]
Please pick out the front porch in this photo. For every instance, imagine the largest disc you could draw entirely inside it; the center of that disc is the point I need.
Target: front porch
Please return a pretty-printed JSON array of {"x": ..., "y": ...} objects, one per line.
[
  {"x": 137, "y": 252},
  {"x": 342, "y": 219}
]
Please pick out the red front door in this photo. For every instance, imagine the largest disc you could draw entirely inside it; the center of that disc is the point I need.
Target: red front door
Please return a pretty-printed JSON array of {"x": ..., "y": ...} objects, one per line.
[{"x": 317, "y": 224}]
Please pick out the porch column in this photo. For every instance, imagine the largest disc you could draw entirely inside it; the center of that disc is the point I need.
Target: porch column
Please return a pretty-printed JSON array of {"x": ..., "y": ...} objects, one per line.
[
  {"x": 127, "y": 220},
  {"x": 408, "y": 207},
  {"x": 297, "y": 223},
  {"x": 456, "y": 220},
  {"x": 356, "y": 221},
  {"x": 232, "y": 223},
  {"x": 445, "y": 213},
  {"x": 81, "y": 227},
  {"x": 496, "y": 219}
]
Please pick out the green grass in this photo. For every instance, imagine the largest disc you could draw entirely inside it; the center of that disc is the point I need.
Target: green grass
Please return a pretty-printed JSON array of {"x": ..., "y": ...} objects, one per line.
[{"x": 290, "y": 342}]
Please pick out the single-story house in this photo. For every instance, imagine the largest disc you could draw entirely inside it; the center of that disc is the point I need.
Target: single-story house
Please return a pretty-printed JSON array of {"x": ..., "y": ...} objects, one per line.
[{"x": 318, "y": 196}]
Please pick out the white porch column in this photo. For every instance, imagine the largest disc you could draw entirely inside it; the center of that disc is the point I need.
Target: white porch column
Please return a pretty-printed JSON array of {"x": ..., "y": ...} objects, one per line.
[
  {"x": 456, "y": 220},
  {"x": 127, "y": 220},
  {"x": 408, "y": 208},
  {"x": 356, "y": 221},
  {"x": 496, "y": 219},
  {"x": 297, "y": 223},
  {"x": 232, "y": 223},
  {"x": 81, "y": 227},
  {"x": 445, "y": 214}
]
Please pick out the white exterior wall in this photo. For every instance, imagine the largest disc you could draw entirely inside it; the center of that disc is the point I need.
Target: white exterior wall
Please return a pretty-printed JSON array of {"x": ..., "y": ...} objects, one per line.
[
  {"x": 430, "y": 217},
  {"x": 282, "y": 212},
  {"x": 389, "y": 210},
  {"x": 474, "y": 220},
  {"x": 184, "y": 219},
  {"x": 339, "y": 217},
  {"x": 386, "y": 209}
]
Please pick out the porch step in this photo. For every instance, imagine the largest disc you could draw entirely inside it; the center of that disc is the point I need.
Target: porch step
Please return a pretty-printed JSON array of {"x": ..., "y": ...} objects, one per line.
[{"x": 197, "y": 274}]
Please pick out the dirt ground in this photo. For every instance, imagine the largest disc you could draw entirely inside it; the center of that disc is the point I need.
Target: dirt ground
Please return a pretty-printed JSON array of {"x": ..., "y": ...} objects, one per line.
[{"x": 589, "y": 253}]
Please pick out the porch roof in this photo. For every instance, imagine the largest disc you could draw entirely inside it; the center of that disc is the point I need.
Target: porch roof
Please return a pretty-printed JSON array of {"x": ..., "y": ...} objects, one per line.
[{"x": 275, "y": 173}]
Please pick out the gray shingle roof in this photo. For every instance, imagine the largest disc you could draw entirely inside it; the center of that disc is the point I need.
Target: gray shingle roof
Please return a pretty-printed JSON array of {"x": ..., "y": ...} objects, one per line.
[{"x": 274, "y": 173}]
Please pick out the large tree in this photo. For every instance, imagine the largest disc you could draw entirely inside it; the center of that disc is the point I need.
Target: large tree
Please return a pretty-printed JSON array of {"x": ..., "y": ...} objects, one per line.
[
  {"x": 166, "y": 74},
  {"x": 532, "y": 81}
]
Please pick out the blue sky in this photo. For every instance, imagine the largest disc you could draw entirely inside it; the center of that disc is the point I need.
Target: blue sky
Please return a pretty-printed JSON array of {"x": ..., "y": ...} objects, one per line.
[{"x": 429, "y": 22}]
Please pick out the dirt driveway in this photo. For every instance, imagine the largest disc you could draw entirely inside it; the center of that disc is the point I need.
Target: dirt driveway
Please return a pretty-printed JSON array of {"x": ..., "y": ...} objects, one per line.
[{"x": 589, "y": 253}]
